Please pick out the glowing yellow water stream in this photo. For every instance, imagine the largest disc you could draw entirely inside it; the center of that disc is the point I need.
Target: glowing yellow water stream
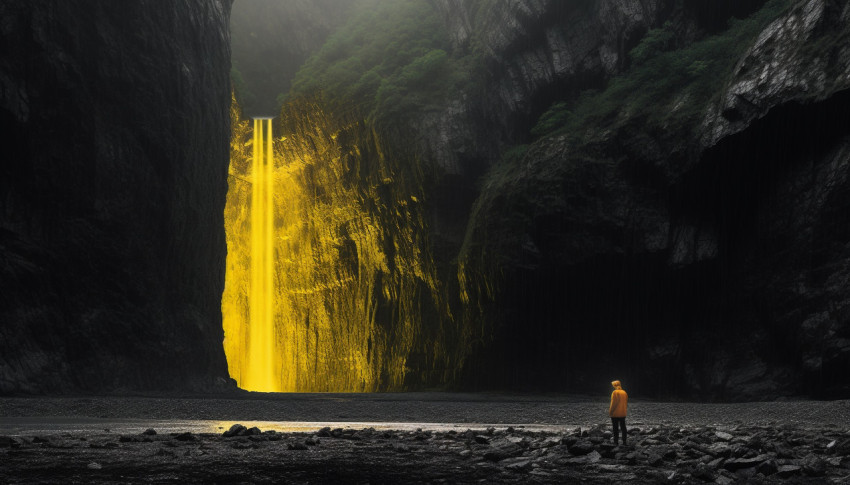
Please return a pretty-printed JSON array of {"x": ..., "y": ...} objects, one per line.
[
  {"x": 261, "y": 373},
  {"x": 327, "y": 285}
]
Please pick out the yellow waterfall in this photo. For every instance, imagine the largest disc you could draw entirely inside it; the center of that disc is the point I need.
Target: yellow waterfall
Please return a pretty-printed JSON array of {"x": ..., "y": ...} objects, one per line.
[
  {"x": 329, "y": 283},
  {"x": 261, "y": 372}
]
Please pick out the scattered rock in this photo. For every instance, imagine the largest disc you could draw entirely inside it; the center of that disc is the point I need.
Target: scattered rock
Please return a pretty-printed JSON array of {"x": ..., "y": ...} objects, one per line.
[
  {"x": 607, "y": 450},
  {"x": 654, "y": 459},
  {"x": 767, "y": 468},
  {"x": 235, "y": 430},
  {"x": 704, "y": 472},
  {"x": 240, "y": 445},
  {"x": 94, "y": 466},
  {"x": 735, "y": 464},
  {"x": 104, "y": 446},
  {"x": 502, "y": 451},
  {"x": 542, "y": 474},
  {"x": 519, "y": 464},
  {"x": 151, "y": 432},
  {"x": 783, "y": 452},
  {"x": 568, "y": 441},
  {"x": 746, "y": 474},
  {"x": 842, "y": 448},
  {"x": 723, "y": 436},
  {"x": 683, "y": 460},
  {"x": 786, "y": 471},
  {"x": 324, "y": 433},
  {"x": 814, "y": 466},
  {"x": 581, "y": 447}
]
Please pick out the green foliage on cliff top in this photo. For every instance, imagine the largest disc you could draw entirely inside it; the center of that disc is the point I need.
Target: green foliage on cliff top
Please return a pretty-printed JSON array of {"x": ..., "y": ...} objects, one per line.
[
  {"x": 663, "y": 83},
  {"x": 665, "y": 87},
  {"x": 390, "y": 59}
]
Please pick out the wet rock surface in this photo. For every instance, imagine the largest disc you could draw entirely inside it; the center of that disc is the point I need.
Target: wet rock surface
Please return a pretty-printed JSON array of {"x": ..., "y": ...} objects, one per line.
[
  {"x": 508, "y": 456},
  {"x": 768, "y": 442}
]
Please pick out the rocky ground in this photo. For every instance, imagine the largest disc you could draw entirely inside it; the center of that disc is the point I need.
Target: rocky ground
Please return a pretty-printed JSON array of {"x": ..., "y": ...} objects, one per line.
[{"x": 738, "y": 448}]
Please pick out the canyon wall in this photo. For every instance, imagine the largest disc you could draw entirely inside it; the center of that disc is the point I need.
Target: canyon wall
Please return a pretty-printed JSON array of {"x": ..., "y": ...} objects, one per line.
[
  {"x": 688, "y": 239},
  {"x": 115, "y": 123},
  {"x": 641, "y": 190}
]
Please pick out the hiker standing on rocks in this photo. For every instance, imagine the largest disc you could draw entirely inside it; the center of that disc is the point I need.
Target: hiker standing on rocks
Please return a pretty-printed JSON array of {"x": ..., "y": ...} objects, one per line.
[{"x": 617, "y": 411}]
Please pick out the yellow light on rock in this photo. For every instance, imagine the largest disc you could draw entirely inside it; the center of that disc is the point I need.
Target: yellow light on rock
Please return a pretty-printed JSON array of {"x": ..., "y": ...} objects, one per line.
[{"x": 325, "y": 269}]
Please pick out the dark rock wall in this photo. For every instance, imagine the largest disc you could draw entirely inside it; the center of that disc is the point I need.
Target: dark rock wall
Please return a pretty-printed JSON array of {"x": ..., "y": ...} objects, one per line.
[
  {"x": 115, "y": 123},
  {"x": 534, "y": 51},
  {"x": 712, "y": 266}
]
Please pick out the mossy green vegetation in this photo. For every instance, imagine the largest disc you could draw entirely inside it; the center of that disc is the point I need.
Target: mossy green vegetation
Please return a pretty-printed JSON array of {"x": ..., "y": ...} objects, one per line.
[
  {"x": 665, "y": 91},
  {"x": 390, "y": 60},
  {"x": 663, "y": 81}
]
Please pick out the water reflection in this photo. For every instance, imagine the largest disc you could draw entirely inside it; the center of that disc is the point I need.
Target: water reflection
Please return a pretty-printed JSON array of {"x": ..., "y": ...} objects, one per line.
[{"x": 56, "y": 425}]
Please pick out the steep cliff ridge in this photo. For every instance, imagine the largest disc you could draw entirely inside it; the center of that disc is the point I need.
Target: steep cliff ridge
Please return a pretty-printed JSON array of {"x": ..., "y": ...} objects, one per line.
[
  {"x": 115, "y": 121},
  {"x": 689, "y": 240},
  {"x": 533, "y": 51},
  {"x": 617, "y": 188}
]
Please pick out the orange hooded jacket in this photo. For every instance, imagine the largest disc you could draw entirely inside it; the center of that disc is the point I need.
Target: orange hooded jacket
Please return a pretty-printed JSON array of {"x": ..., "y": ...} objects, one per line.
[{"x": 619, "y": 401}]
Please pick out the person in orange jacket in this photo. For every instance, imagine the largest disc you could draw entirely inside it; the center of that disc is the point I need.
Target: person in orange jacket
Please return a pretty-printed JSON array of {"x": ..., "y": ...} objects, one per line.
[{"x": 617, "y": 411}]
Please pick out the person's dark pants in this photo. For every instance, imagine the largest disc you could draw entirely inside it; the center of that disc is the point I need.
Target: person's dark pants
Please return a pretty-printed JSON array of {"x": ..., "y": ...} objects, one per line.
[{"x": 619, "y": 424}]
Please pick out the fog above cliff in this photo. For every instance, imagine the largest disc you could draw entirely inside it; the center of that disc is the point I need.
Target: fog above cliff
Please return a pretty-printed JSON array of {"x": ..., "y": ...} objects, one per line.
[{"x": 271, "y": 39}]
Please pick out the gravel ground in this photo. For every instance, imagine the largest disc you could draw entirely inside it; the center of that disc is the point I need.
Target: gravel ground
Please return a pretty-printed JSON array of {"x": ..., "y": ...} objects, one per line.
[{"x": 565, "y": 439}]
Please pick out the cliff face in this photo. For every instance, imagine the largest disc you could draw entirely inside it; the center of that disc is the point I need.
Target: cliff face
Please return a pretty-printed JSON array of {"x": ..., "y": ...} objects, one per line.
[
  {"x": 115, "y": 121},
  {"x": 643, "y": 190},
  {"x": 699, "y": 254},
  {"x": 532, "y": 51},
  {"x": 357, "y": 304}
]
